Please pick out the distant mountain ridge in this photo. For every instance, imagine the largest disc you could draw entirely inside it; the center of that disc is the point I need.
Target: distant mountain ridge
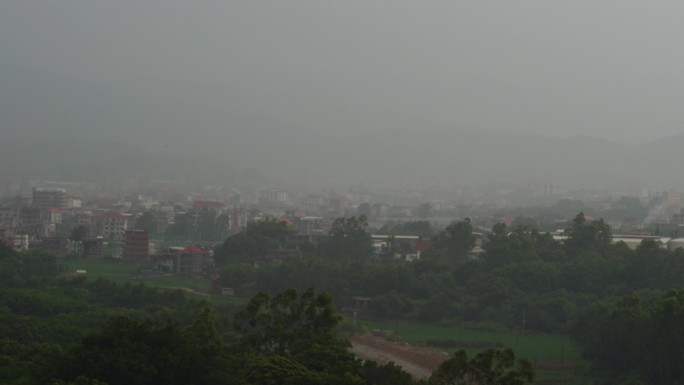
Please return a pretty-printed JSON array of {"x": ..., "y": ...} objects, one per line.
[
  {"x": 396, "y": 158},
  {"x": 98, "y": 162}
]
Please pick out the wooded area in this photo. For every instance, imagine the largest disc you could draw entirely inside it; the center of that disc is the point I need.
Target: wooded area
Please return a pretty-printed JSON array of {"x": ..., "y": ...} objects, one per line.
[{"x": 623, "y": 307}]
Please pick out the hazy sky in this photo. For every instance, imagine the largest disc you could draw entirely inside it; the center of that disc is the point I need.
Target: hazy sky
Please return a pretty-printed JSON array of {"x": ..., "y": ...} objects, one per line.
[{"x": 208, "y": 72}]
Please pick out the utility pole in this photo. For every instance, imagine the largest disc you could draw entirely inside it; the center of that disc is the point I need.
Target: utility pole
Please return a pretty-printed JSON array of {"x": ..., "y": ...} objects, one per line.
[
  {"x": 355, "y": 325},
  {"x": 523, "y": 322}
]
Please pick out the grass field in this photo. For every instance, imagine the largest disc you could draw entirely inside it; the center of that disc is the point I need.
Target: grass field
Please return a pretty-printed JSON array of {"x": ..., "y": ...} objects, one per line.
[
  {"x": 116, "y": 271},
  {"x": 122, "y": 272},
  {"x": 553, "y": 355},
  {"x": 534, "y": 347}
]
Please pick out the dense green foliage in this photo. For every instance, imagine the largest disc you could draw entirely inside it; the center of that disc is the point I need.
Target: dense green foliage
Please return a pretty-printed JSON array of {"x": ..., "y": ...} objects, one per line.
[
  {"x": 629, "y": 210},
  {"x": 348, "y": 238},
  {"x": 619, "y": 305},
  {"x": 62, "y": 330},
  {"x": 456, "y": 241},
  {"x": 491, "y": 367},
  {"x": 254, "y": 242},
  {"x": 635, "y": 339},
  {"x": 524, "y": 279}
]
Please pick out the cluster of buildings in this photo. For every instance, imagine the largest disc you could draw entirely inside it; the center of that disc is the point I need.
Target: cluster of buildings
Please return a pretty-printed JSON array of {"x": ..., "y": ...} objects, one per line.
[
  {"x": 54, "y": 221},
  {"x": 177, "y": 231},
  {"x": 138, "y": 227}
]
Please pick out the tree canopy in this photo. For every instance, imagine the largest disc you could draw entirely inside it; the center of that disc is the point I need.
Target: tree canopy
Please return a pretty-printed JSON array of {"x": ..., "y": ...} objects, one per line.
[
  {"x": 348, "y": 238},
  {"x": 587, "y": 237},
  {"x": 456, "y": 240},
  {"x": 490, "y": 367}
]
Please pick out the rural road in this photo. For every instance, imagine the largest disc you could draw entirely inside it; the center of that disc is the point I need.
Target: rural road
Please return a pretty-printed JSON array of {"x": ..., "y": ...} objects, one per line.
[{"x": 419, "y": 362}]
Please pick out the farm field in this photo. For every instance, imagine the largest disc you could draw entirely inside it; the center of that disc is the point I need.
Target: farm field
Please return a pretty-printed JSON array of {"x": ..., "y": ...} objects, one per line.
[
  {"x": 118, "y": 272},
  {"x": 530, "y": 346},
  {"x": 122, "y": 272},
  {"x": 554, "y": 356}
]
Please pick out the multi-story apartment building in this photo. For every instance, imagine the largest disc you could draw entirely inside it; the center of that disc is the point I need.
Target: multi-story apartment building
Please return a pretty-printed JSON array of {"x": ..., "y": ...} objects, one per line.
[
  {"x": 274, "y": 196},
  {"x": 114, "y": 225},
  {"x": 9, "y": 219},
  {"x": 50, "y": 198},
  {"x": 313, "y": 203},
  {"x": 31, "y": 221}
]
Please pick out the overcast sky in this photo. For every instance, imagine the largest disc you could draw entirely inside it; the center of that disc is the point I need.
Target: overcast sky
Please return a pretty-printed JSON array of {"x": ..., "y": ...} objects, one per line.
[{"x": 206, "y": 72}]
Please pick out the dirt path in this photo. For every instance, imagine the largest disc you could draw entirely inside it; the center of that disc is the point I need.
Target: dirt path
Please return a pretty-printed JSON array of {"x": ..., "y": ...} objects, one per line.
[
  {"x": 418, "y": 361},
  {"x": 186, "y": 289}
]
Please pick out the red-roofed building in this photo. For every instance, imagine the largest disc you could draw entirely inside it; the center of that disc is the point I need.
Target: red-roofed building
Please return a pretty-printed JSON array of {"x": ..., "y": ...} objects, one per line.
[
  {"x": 422, "y": 246},
  {"x": 192, "y": 249},
  {"x": 191, "y": 260},
  {"x": 507, "y": 220},
  {"x": 287, "y": 220},
  {"x": 208, "y": 204}
]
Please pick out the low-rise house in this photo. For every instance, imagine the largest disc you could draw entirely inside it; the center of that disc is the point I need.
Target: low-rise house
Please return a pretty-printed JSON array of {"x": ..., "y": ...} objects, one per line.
[
  {"x": 189, "y": 260},
  {"x": 404, "y": 247}
]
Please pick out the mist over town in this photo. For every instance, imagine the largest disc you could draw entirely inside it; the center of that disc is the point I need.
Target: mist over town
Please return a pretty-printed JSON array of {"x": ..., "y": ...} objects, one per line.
[{"x": 347, "y": 192}]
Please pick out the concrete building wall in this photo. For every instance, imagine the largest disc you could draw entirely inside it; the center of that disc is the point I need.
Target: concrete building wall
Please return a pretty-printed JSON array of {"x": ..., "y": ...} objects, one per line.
[{"x": 136, "y": 245}]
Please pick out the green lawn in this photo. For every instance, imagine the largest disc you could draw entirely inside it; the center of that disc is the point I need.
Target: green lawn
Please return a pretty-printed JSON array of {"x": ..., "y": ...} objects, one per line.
[
  {"x": 121, "y": 272},
  {"x": 550, "y": 353},
  {"x": 173, "y": 281},
  {"x": 116, "y": 271},
  {"x": 534, "y": 347}
]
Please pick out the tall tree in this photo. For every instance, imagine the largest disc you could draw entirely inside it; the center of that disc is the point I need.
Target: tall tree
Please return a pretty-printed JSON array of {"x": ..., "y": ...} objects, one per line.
[
  {"x": 585, "y": 238},
  {"x": 503, "y": 247},
  {"x": 148, "y": 352},
  {"x": 254, "y": 242},
  {"x": 297, "y": 328},
  {"x": 490, "y": 367},
  {"x": 636, "y": 338},
  {"x": 348, "y": 238},
  {"x": 287, "y": 322},
  {"x": 147, "y": 222},
  {"x": 271, "y": 229},
  {"x": 457, "y": 240}
]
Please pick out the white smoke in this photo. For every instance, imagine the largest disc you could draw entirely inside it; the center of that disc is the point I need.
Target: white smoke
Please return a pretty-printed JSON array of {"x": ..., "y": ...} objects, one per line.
[{"x": 657, "y": 214}]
